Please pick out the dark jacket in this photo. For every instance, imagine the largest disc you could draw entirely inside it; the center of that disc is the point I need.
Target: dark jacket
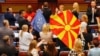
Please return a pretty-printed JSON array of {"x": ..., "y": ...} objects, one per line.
[
  {"x": 98, "y": 13},
  {"x": 22, "y": 21},
  {"x": 75, "y": 13},
  {"x": 7, "y": 49},
  {"x": 10, "y": 17},
  {"x": 98, "y": 2},
  {"x": 47, "y": 12},
  {"x": 88, "y": 39},
  {"x": 89, "y": 14}
]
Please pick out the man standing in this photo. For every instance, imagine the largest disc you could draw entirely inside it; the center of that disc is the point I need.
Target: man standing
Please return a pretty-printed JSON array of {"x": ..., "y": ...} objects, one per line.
[
  {"x": 46, "y": 12},
  {"x": 10, "y": 16},
  {"x": 92, "y": 13},
  {"x": 22, "y": 20}
]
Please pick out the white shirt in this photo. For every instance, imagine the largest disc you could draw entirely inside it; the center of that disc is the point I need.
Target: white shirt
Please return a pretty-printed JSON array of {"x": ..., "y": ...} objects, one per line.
[
  {"x": 34, "y": 52},
  {"x": 92, "y": 21},
  {"x": 83, "y": 26},
  {"x": 24, "y": 41},
  {"x": 46, "y": 36}
]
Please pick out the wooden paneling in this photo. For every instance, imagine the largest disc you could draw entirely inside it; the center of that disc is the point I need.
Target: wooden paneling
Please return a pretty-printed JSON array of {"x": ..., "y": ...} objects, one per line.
[
  {"x": 70, "y": 1},
  {"x": 83, "y": 7},
  {"x": 21, "y": 1},
  {"x": 17, "y": 7},
  {"x": 48, "y": 1},
  {"x": 22, "y": 4}
]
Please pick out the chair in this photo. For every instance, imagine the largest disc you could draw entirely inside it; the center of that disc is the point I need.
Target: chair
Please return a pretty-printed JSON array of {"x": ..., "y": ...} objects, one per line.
[
  {"x": 40, "y": 53},
  {"x": 64, "y": 53},
  {"x": 23, "y": 54},
  {"x": 86, "y": 52}
]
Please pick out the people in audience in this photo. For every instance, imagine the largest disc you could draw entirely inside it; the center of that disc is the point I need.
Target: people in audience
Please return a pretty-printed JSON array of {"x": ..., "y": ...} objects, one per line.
[
  {"x": 46, "y": 34},
  {"x": 87, "y": 38},
  {"x": 96, "y": 50},
  {"x": 22, "y": 20},
  {"x": 33, "y": 48},
  {"x": 25, "y": 38},
  {"x": 49, "y": 49},
  {"x": 84, "y": 21},
  {"x": 78, "y": 48},
  {"x": 98, "y": 19},
  {"x": 10, "y": 16},
  {"x": 29, "y": 13},
  {"x": 75, "y": 10},
  {"x": 6, "y": 30},
  {"x": 92, "y": 13},
  {"x": 46, "y": 11},
  {"x": 7, "y": 49},
  {"x": 28, "y": 36},
  {"x": 60, "y": 9}
]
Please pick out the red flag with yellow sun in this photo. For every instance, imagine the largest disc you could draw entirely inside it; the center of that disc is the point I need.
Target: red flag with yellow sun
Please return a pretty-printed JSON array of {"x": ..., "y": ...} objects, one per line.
[{"x": 66, "y": 26}]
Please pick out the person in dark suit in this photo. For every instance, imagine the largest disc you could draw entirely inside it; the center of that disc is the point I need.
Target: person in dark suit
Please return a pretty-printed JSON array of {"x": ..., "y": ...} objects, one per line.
[
  {"x": 21, "y": 19},
  {"x": 10, "y": 16},
  {"x": 5, "y": 48},
  {"x": 75, "y": 10},
  {"x": 98, "y": 19},
  {"x": 92, "y": 13},
  {"x": 46, "y": 12}
]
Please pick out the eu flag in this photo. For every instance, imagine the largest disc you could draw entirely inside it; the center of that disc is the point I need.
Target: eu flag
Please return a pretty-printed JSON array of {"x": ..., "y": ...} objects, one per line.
[{"x": 38, "y": 21}]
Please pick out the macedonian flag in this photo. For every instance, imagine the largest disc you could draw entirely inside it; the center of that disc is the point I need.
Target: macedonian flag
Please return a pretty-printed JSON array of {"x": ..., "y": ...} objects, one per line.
[{"x": 66, "y": 26}]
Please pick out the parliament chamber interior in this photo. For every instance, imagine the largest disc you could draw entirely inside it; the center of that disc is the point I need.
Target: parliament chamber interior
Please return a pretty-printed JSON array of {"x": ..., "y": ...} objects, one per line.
[{"x": 49, "y": 27}]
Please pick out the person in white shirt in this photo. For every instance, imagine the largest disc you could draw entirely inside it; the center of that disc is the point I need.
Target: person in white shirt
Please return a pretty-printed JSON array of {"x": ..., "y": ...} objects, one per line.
[
  {"x": 24, "y": 39},
  {"x": 84, "y": 21},
  {"x": 46, "y": 34}
]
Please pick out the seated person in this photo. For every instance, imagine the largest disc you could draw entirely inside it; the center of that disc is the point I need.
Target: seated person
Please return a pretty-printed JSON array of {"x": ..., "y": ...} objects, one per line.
[{"x": 96, "y": 50}]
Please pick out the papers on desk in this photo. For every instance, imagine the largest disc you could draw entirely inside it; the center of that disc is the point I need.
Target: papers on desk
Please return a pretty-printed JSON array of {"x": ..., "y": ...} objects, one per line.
[
  {"x": 94, "y": 25},
  {"x": 54, "y": 36},
  {"x": 16, "y": 24},
  {"x": 16, "y": 35},
  {"x": 95, "y": 35},
  {"x": 58, "y": 47}
]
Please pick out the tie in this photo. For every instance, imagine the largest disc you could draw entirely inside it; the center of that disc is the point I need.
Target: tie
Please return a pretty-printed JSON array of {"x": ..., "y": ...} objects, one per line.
[{"x": 92, "y": 21}]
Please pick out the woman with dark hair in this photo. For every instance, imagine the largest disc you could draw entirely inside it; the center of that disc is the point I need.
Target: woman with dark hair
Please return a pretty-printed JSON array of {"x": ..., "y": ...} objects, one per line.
[
  {"x": 49, "y": 49},
  {"x": 98, "y": 19}
]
